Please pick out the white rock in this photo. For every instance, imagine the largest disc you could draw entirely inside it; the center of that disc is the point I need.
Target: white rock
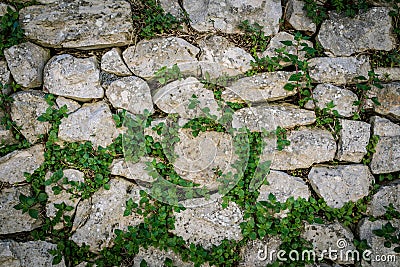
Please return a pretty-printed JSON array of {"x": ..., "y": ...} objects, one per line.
[
  {"x": 297, "y": 16},
  {"x": 112, "y": 62}
]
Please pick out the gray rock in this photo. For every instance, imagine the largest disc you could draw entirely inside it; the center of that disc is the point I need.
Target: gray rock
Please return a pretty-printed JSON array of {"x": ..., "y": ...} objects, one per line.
[
  {"x": 344, "y": 36},
  {"x": 389, "y": 99},
  {"x": 155, "y": 257},
  {"x": 98, "y": 217},
  {"x": 307, "y": 146},
  {"x": 386, "y": 195},
  {"x": 297, "y": 17},
  {"x": 6, "y": 135},
  {"x": 226, "y": 16},
  {"x": 353, "y": 140},
  {"x": 92, "y": 122},
  {"x": 3, "y": 9},
  {"x": 131, "y": 170},
  {"x": 148, "y": 56},
  {"x": 112, "y": 62},
  {"x": 216, "y": 224},
  {"x": 270, "y": 116},
  {"x": 261, "y": 87},
  {"x": 130, "y": 93},
  {"x": 31, "y": 253},
  {"x": 26, "y": 62},
  {"x": 339, "y": 70},
  {"x": 341, "y": 184},
  {"x": 71, "y": 104},
  {"x": 5, "y": 78},
  {"x": 76, "y": 78},
  {"x": 12, "y": 220},
  {"x": 257, "y": 252},
  {"x": 387, "y": 151},
  {"x": 388, "y": 74},
  {"x": 15, "y": 164},
  {"x": 25, "y": 109},
  {"x": 84, "y": 25},
  {"x": 172, "y": 7}
]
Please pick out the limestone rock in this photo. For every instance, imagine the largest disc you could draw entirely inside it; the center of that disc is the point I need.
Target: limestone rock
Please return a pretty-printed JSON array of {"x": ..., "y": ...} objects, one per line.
[
  {"x": 216, "y": 224},
  {"x": 353, "y": 140},
  {"x": 256, "y": 253},
  {"x": 172, "y": 7},
  {"x": 388, "y": 74},
  {"x": 76, "y": 78},
  {"x": 270, "y": 116},
  {"x": 112, "y": 62},
  {"x": 387, "y": 152},
  {"x": 92, "y": 122},
  {"x": 25, "y": 109},
  {"x": 389, "y": 99},
  {"x": 79, "y": 24},
  {"x": 344, "y": 36},
  {"x": 71, "y": 104},
  {"x": 5, "y": 78},
  {"x": 297, "y": 17},
  {"x": 131, "y": 170},
  {"x": 388, "y": 194},
  {"x": 15, "y": 164},
  {"x": 3, "y": 9},
  {"x": 226, "y": 15},
  {"x": 130, "y": 93},
  {"x": 261, "y": 87},
  {"x": 156, "y": 257},
  {"x": 341, "y": 184},
  {"x": 339, "y": 70},
  {"x": 98, "y": 217},
  {"x": 148, "y": 56},
  {"x": 6, "y": 135},
  {"x": 12, "y": 220},
  {"x": 26, "y": 62},
  {"x": 307, "y": 146}
]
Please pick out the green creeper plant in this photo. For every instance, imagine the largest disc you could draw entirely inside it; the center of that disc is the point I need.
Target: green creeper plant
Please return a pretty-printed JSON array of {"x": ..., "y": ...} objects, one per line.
[{"x": 11, "y": 32}]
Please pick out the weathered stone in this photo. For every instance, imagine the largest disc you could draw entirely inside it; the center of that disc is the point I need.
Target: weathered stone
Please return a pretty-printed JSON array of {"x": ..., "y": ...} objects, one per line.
[
  {"x": 84, "y": 25},
  {"x": 341, "y": 184},
  {"x": 130, "y": 93},
  {"x": 76, "y": 78},
  {"x": 256, "y": 253},
  {"x": 172, "y": 7},
  {"x": 176, "y": 97},
  {"x": 388, "y": 74},
  {"x": 92, "y": 122},
  {"x": 25, "y": 109},
  {"x": 3, "y": 9},
  {"x": 12, "y": 220},
  {"x": 297, "y": 17},
  {"x": 261, "y": 87},
  {"x": 132, "y": 170},
  {"x": 386, "y": 195},
  {"x": 343, "y": 99},
  {"x": 227, "y": 15},
  {"x": 389, "y": 100},
  {"x": 5, "y": 78},
  {"x": 26, "y": 62},
  {"x": 15, "y": 164},
  {"x": 71, "y": 104},
  {"x": 387, "y": 151},
  {"x": 307, "y": 146},
  {"x": 344, "y": 36},
  {"x": 98, "y": 217},
  {"x": 270, "y": 116},
  {"x": 155, "y": 257},
  {"x": 353, "y": 140},
  {"x": 339, "y": 70},
  {"x": 148, "y": 56},
  {"x": 6, "y": 135},
  {"x": 331, "y": 237},
  {"x": 32, "y": 253},
  {"x": 112, "y": 62},
  {"x": 217, "y": 223}
]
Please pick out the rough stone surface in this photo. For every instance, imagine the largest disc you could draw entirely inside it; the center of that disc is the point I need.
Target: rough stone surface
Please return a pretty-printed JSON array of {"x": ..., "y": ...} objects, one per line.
[
  {"x": 32, "y": 253},
  {"x": 387, "y": 152},
  {"x": 339, "y": 70},
  {"x": 216, "y": 223},
  {"x": 92, "y": 122},
  {"x": 3, "y": 9},
  {"x": 297, "y": 17},
  {"x": 155, "y": 257},
  {"x": 148, "y": 56},
  {"x": 6, "y": 135},
  {"x": 341, "y": 184},
  {"x": 256, "y": 252},
  {"x": 26, "y": 62},
  {"x": 388, "y": 194},
  {"x": 131, "y": 170},
  {"x": 98, "y": 217},
  {"x": 261, "y": 87},
  {"x": 12, "y": 220},
  {"x": 15, "y": 164},
  {"x": 71, "y": 104},
  {"x": 76, "y": 78},
  {"x": 388, "y": 74},
  {"x": 112, "y": 62},
  {"x": 270, "y": 116},
  {"x": 79, "y": 24},
  {"x": 130, "y": 93},
  {"x": 25, "y": 109},
  {"x": 172, "y": 7},
  {"x": 343, "y": 99},
  {"x": 344, "y": 36},
  {"x": 389, "y": 99},
  {"x": 307, "y": 146},
  {"x": 5, "y": 77},
  {"x": 353, "y": 140},
  {"x": 227, "y": 15}
]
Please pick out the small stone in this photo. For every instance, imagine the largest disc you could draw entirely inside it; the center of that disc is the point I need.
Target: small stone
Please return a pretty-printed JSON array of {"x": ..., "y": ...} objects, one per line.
[
  {"x": 388, "y": 74},
  {"x": 389, "y": 100},
  {"x": 71, "y": 104},
  {"x": 130, "y": 93},
  {"x": 257, "y": 253},
  {"x": 112, "y": 62},
  {"x": 3, "y": 9},
  {"x": 6, "y": 135},
  {"x": 386, "y": 195},
  {"x": 341, "y": 184},
  {"x": 5, "y": 78},
  {"x": 132, "y": 170},
  {"x": 76, "y": 78},
  {"x": 353, "y": 140},
  {"x": 155, "y": 257},
  {"x": 297, "y": 17}
]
